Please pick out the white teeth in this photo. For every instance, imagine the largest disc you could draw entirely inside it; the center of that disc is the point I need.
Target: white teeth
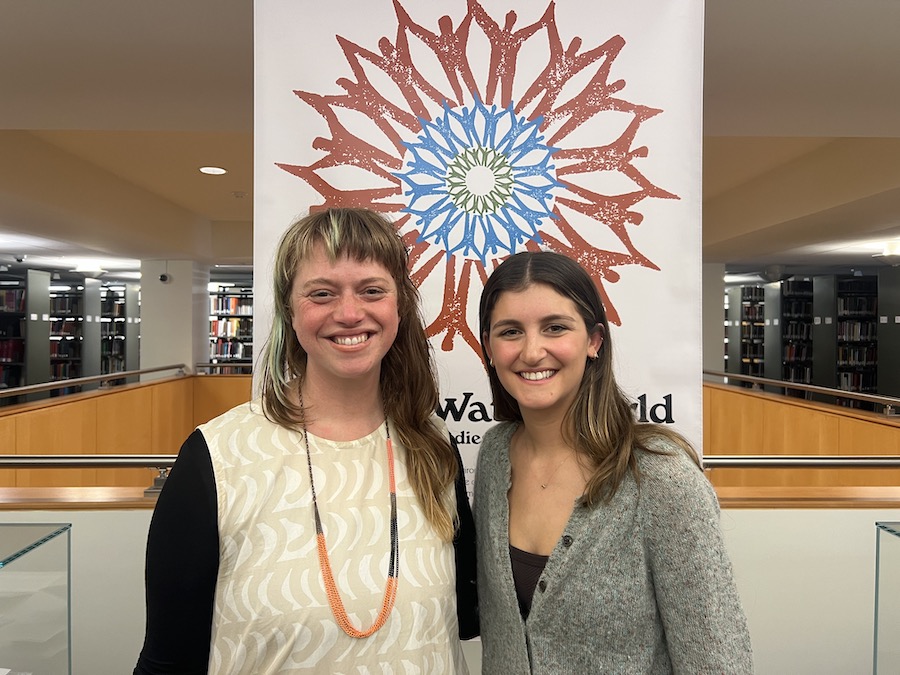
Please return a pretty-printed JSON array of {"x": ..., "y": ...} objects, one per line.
[
  {"x": 540, "y": 375},
  {"x": 348, "y": 341}
]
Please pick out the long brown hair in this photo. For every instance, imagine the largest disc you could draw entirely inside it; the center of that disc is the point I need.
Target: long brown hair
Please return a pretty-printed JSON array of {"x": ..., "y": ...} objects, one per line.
[
  {"x": 408, "y": 385},
  {"x": 600, "y": 422}
]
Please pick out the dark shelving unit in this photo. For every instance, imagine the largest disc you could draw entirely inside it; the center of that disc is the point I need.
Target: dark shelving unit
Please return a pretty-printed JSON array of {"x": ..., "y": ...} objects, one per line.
[
  {"x": 120, "y": 329},
  {"x": 788, "y": 335},
  {"x": 231, "y": 326},
  {"x": 746, "y": 331}
]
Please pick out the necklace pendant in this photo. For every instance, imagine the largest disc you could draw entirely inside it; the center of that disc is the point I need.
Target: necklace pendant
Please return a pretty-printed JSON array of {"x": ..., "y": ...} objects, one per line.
[{"x": 543, "y": 487}]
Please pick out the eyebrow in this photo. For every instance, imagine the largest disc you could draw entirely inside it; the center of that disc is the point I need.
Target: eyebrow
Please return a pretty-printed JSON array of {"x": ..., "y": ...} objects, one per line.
[
  {"x": 325, "y": 281},
  {"x": 543, "y": 319}
]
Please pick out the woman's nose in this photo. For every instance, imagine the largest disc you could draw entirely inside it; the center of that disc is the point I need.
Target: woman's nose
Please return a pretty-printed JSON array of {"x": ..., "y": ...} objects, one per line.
[
  {"x": 349, "y": 309},
  {"x": 532, "y": 349}
]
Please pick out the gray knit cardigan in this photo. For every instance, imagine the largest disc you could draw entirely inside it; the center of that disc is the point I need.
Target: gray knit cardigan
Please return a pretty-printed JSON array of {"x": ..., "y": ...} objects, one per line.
[{"x": 641, "y": 584}]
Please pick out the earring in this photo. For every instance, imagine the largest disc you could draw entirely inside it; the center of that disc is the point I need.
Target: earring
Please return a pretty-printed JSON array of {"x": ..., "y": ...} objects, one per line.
[{"x": 491, "y": 363}]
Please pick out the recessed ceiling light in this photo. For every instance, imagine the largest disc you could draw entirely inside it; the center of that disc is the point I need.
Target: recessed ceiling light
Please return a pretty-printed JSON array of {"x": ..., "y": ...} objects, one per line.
[{"x": 213, "y": 170}]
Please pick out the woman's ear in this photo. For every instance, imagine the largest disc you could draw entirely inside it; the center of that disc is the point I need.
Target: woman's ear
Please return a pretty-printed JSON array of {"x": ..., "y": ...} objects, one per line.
[
  {"x": 596, "y": 341},
  {"x": 487, "y": 348}
]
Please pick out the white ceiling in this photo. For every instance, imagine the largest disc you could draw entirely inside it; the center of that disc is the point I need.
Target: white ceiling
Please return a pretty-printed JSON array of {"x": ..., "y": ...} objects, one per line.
[{"x": 109, "y": 107}]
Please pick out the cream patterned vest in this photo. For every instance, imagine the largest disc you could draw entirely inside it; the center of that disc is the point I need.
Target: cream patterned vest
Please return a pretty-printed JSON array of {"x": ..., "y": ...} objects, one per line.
[{"x": 271, "y": 611}]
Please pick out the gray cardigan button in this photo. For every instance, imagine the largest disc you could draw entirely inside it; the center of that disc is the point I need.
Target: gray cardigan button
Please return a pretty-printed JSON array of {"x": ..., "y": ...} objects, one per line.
[
  {"x": 542, "y": 585},
  {"x": 567, "y": 541}
]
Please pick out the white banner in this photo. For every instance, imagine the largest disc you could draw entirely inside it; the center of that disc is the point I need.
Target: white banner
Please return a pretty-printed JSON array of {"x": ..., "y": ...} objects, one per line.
[{"x": 485, "y": 128}]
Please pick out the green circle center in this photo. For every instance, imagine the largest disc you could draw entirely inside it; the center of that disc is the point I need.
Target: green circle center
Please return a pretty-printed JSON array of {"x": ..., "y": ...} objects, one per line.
[{"x": 479, "y": 180}]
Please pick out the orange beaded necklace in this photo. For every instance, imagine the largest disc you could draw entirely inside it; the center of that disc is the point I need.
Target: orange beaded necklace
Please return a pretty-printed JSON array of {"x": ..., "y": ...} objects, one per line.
[{"x": 331, "y": 589}]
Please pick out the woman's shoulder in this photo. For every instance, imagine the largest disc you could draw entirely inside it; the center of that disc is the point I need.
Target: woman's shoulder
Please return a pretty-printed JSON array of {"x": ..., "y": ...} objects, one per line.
[
  {"x": 499, "y": 434},
  {"x": 667, "y": 467},
  {"x": 244, "y": 416},
  {"x": 493, "y": 452}
]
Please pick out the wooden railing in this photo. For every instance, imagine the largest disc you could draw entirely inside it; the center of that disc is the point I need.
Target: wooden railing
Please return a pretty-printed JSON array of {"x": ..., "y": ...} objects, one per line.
[
  {"x": 151, "y": 418},
  {"x": 741, "y": 421},
  {"x": 154, "y": 418},
  {"x": 889, "y": 405}
]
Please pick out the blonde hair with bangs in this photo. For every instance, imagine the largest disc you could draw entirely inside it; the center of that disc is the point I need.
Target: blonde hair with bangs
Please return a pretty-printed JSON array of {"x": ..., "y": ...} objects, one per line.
[{"x": 408, "y": 385}]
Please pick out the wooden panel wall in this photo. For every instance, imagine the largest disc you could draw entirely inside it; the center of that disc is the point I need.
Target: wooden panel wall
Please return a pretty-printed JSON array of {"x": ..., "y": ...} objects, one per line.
[
  {"x": 172, "y": 416},
  {"x": 7, "y": 447},
  {"x": 134, "y": 419},
  {"x": 69, "y": 428},
  {"x": 216, "y": 394},
  {"x": 147, "y": 418},
  {"x": 156, "y": 417},
  {"x": 125, "y": 427},
  {"x": 748, "y": 422}
]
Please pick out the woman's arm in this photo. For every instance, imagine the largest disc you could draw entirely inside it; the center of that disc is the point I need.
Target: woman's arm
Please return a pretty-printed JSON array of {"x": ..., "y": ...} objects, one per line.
[
  {"x": 704, "y": 623},
  {"x": 464, "y": 547},
  {"x": 182, "y": 566}
]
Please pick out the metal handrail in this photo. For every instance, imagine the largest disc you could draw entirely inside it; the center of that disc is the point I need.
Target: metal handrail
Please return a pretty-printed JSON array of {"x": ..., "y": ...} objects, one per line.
[
  {"x": 806, "y": 461},
  {"x": 891, "y": 404},
  {"x": 76, "y": 381},
  {"x": 162, "y": 463},
  {"x": 86, "y": 461},
  {"x": 709, "y": 461},
  {"x": 225, "y": 364}
]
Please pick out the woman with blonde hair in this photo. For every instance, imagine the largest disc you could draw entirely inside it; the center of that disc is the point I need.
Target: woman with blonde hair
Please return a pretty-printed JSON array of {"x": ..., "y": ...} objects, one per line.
[
  {"x": 325, "y": 527},
  {"x": 599, "y": 546}
]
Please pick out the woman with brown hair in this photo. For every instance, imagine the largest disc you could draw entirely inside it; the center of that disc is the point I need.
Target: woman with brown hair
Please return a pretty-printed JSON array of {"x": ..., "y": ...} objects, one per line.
[
  {"x": 599, "y": 546},
  {"x": 325, "y": 527}
]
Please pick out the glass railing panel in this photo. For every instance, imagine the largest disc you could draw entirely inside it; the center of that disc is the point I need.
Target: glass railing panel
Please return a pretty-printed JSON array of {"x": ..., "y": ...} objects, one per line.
[
  {"x": 887, "y": 598},
  {"x": 35, "y": 614}
]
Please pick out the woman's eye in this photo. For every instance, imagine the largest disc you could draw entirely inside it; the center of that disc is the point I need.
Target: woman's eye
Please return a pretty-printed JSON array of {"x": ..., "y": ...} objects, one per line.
[
  {"x": 374, "y": 292},
  {"x": 509, "y": 332},
  {"x": 319, "y": 295},
  {"x": 556, "y": 328}
]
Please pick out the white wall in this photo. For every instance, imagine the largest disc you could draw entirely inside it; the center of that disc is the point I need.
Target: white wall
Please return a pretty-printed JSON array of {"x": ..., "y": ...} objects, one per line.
[
  {"x": 174, "y": 315},
  {"x": 107, "y": 585},
  {"x": 806, "y": 578},
  {"x": 713, "y": 293}
]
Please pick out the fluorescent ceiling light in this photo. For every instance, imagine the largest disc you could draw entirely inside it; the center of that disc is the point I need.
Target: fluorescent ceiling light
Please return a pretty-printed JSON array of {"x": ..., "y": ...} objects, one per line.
[
  {"x": 213, "y": 170},
  {"x": 86, "y": 265},
  {"x": 748, "y": 278}
]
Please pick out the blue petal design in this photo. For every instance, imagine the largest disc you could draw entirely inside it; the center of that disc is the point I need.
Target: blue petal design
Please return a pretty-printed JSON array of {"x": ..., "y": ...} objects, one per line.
[{"x": 495, "y": 221}]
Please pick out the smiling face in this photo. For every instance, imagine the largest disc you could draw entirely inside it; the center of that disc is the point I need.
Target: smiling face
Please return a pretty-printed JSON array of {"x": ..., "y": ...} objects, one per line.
[
  {"x": 345, "y": 316},
  {"x": 539, "y": 346}
]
